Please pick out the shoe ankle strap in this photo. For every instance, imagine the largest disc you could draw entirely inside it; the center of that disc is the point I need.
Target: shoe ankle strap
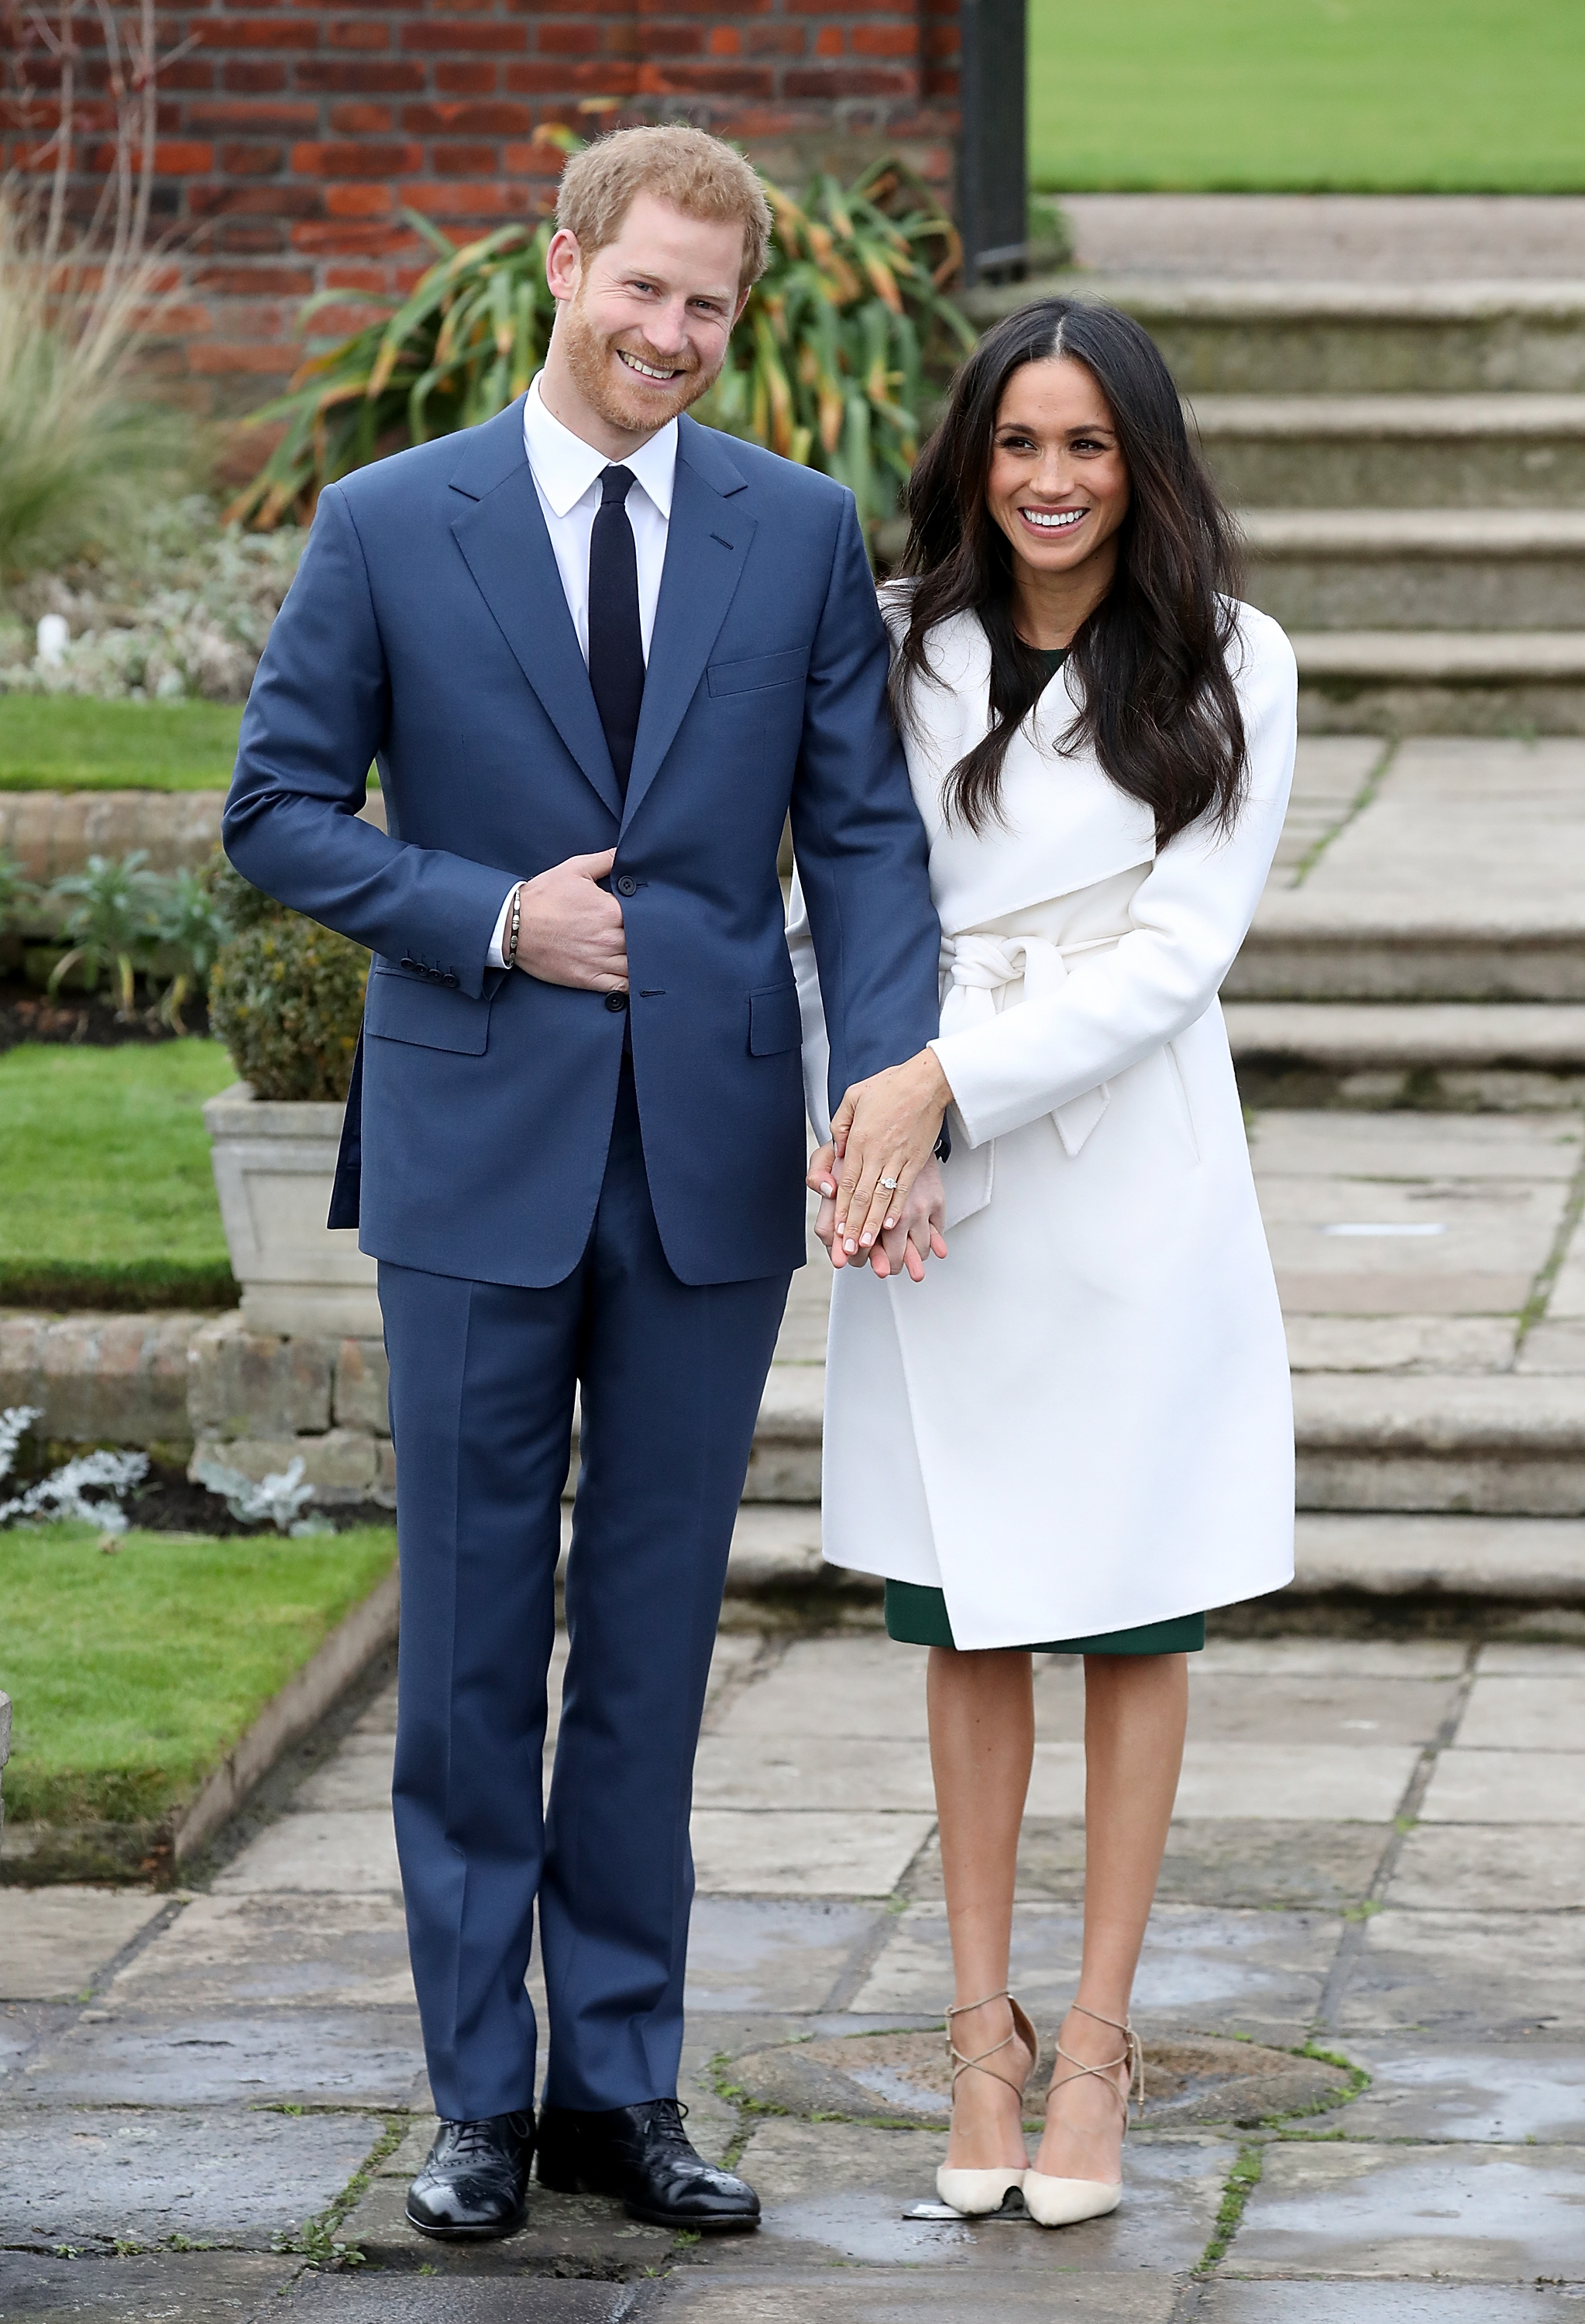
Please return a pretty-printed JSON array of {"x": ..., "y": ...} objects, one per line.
[
  {"x": 1132, "y": 2057},
  {"x": 1017, "y": 2031}
]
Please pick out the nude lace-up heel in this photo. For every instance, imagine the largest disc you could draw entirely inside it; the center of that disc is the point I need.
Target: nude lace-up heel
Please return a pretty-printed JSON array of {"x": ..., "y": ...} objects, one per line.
[
  {"x": 1063, "y": 2202},
  {"x": 976, "y": 2192}
]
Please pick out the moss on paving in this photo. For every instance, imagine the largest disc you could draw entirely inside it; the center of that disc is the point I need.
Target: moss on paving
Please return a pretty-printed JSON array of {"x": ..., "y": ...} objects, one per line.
[
  {"x": 57, "y": 741},
  {"x": 1368, "y": 96},
  {"x": 107, "y": 1193},
  {"x": 133, "y": 1673}
]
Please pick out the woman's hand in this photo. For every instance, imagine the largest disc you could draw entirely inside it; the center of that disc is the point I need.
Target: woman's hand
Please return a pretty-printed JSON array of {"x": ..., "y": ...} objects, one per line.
[
  {"x": 916, "y": 1237},
  {"x": 886, "y": 1128}
]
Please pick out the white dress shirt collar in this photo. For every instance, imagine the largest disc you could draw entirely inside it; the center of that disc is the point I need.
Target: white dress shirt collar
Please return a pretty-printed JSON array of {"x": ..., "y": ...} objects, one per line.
[{"x": 564, "y": 467}]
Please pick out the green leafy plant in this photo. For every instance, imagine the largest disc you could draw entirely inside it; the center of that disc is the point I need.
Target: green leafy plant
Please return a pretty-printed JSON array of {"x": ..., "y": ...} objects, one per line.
[
  {"x": 831, "y": 365},
  {"x": 191, "y": 924},
  {"x": 112, "y": 917},
  {"x": 17, "y": 892}
]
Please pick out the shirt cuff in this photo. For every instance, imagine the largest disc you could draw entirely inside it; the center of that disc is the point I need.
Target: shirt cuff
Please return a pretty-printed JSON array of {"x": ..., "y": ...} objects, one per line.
[{"x": 496, "y": 955}]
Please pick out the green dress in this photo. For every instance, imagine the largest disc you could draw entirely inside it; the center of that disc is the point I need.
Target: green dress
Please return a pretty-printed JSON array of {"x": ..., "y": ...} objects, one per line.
[{"x": 916, "y": 1616}]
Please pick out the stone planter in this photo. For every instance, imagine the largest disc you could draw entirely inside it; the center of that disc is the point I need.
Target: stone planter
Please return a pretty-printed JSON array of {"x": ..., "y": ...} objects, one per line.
[{"x": 274, "y": 1163}]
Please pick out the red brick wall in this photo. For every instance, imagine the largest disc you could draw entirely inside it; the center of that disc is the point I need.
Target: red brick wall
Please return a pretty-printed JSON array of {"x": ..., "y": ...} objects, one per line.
[{"x": 291, "y": 135}]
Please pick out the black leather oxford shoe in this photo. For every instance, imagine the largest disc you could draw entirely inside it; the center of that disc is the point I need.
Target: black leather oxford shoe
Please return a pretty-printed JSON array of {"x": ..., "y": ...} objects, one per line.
[
  {"x": 643, "y": 2154},
  {"x": 473, "y": 2186}
]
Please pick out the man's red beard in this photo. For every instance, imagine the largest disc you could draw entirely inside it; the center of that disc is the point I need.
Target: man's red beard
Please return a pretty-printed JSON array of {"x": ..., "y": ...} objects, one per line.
[{"x": 599, "y": 381}]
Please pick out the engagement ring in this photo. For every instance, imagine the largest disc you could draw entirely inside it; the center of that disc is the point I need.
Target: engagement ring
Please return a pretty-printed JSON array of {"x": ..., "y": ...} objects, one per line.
[{"x": 890, "y": 1185}]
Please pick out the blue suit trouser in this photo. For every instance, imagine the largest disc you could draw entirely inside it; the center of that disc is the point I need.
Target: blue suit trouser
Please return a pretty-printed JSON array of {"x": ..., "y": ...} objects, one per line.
[{"x": 482, "y": 1384}]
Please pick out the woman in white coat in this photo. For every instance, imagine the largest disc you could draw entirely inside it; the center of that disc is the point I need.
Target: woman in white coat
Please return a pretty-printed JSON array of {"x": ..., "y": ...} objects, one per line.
[{"x": 1075, "y": 1434}]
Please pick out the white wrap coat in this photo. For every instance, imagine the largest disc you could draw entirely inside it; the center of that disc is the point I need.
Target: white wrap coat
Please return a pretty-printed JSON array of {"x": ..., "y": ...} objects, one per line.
[{"x": 1081, "y": 1420}]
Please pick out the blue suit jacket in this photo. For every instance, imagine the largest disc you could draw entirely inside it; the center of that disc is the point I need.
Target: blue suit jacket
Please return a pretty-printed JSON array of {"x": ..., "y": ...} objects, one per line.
[{"x": 427, "y": 628}]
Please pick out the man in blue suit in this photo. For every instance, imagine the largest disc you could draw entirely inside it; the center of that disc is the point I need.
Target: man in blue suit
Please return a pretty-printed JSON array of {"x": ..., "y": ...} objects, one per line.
[{"x": 600, "y": 653}]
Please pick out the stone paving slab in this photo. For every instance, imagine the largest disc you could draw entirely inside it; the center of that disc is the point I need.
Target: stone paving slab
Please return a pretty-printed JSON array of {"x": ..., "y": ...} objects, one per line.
[
  {"x": 1332, "y": 2302},
  {"x": 1465, "y": 1973},
  {"x": 1251, "y": 1972},
  {"x": 463, "y": 2299},
  {"x": 177, "y": 2288},
  {"x": 838, "y": 2191},
  {"x": 799, "y": 1853},
  {"x": 142, "y": 2057},
  {"x": 754, "y": 1953},
  {"x": 884, "y": 2296},
  {"x": 141, "y": 2173},
  {"x": 1502, "y": 2215},
  {"x": 1241, "y": 1862},
  {"x": 1391, "y": 238},
  {"x": 1526, "y": 1787},
  {"x": 1503, "y": 2094},
  {"x": 1491, "y": 1867},
  {"x": 57, "y": 1939},
  {"x": 338, "y": 1851},
  {"x": 296, "y": 1950},
  {"x": 1525, "y": 1712}
]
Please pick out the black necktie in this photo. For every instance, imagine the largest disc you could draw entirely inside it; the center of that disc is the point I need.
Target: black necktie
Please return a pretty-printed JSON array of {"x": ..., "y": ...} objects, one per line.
[{"x": 616, "y": 641}]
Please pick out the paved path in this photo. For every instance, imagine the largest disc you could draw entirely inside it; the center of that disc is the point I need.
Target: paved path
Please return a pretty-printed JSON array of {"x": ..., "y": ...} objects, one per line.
[{"x": 1380, "y": 1848}]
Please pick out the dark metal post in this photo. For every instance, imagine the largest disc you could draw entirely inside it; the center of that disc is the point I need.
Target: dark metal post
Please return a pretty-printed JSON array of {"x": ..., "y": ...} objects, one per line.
[{"x": 993, "y": 169}]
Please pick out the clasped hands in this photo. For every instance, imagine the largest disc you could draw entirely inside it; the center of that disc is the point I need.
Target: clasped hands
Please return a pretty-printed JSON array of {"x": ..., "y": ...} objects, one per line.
[
  {"x": 571, "y": 931},
  {"x": 885, "y": 1128}
]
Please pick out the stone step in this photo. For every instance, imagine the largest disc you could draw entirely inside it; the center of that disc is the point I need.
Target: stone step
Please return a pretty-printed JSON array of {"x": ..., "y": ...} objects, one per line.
[
  {"x": 1224, "y": 336},
  {"x": 1493, "y": 1056},
  {"x": 1396, "y": 451},
  {"x": 1418, "y": 568},
  {"x": 1449, "y": 681},
  {"x": 1456, "y": 872},
  {"x": 1498, "y": 1445},
  {"x": 1512, "y": 1560}
]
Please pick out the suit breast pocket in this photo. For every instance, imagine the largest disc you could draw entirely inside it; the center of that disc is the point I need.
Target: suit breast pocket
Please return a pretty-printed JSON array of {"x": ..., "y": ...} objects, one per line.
[
  {"x": 775, "y": 1023},
  {"x": 402, "y": 1008},
  {"x": 757, "y": 673}
]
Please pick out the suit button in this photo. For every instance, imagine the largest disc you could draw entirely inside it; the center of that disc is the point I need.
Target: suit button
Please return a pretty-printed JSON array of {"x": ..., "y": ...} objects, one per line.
[
  {"x": 627, "y": 885},
  {"x": 450, "y": 981},
  {"x": 616, "y": 1002}
]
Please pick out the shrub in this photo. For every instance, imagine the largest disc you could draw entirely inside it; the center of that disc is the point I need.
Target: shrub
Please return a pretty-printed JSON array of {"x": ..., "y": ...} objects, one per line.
[
  {"x": 286, "y": 999},
  {"x": 830, "y": 364}
]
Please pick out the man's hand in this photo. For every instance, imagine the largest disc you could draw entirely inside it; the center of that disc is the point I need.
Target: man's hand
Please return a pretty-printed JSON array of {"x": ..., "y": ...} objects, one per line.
[
  {"x": 571, "y": 931},
  {"x": 884, "y": 1128}
]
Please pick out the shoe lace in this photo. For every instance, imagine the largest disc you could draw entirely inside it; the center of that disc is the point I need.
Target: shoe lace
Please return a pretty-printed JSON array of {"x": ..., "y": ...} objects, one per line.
[
  {"x": 663, "y": 2124},
  {"x": 474, "y": 2139}
]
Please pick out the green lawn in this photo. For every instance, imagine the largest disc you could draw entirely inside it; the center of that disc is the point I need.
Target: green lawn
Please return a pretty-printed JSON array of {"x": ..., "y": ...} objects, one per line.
[
  {"x": 132, "y": 1674},
  {"x": 59, "y": 741},
  {"x": 106, "y": 1197},
  {"x": 1443, "y": 95}
]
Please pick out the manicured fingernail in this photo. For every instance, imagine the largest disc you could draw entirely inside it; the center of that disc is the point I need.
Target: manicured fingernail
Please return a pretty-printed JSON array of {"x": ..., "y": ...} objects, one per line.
[
  {"x": 866, "y": 1240},
  {"x": 851, "y": 1248},
  {"x": 891, "y": 1223},
  {"x": 827, "y": 1188}
]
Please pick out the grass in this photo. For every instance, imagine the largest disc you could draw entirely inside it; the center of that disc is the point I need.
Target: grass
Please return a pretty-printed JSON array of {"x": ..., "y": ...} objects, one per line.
[
  {"x": 64, "y": 743},
  {"x": 132, "y": 1674},
  {"x": 106, "y": 1195},
  {"x": 1366, "y": 96}
]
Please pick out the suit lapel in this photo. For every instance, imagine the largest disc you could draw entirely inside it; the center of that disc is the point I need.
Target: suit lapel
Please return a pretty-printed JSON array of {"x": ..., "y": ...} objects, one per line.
[
  {"x": 501, "y": 531},
  {"x": 707, "y": 543}
]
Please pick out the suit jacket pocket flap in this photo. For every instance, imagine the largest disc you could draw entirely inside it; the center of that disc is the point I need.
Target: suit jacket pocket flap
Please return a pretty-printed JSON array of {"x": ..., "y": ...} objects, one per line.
[
  {"x": 759, "y": 670},
  {"x": 403, "y": 1008},
  {"x": 774, "y": 1021}
]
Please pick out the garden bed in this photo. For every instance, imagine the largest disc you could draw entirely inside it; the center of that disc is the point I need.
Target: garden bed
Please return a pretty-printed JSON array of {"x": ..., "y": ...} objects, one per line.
[
  {"x": 89, "y": 1020},
  {"x": 106, "y": 1194},
  {"x": 134, "y": 1672}
]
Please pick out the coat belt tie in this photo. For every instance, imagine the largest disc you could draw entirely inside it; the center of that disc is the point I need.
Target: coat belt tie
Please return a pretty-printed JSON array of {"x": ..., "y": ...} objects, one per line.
[{"x": 975, "y": 969}]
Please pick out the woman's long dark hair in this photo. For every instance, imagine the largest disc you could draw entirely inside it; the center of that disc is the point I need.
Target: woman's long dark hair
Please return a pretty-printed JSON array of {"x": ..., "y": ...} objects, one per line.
[{"x": 1157, "y": 703}]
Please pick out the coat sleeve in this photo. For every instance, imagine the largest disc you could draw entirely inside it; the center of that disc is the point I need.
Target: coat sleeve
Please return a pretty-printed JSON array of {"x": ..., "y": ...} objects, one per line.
[
  {"x": 1190, "y": 916},
  {"x": 858, "y": 842},
  {"x": 314, "y": 720}
]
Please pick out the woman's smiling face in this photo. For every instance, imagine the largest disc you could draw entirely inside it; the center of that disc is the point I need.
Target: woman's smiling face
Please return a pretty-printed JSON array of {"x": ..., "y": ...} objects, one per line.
[{"x": 1059, "y": 485}]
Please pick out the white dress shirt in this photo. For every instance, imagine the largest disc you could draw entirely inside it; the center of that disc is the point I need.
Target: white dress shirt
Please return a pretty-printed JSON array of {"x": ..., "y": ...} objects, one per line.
[{"x": 567, "y": 474}]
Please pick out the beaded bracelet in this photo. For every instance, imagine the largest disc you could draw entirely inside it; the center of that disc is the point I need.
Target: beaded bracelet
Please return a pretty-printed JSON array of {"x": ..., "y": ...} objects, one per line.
[{"x": 516, "y": 925}]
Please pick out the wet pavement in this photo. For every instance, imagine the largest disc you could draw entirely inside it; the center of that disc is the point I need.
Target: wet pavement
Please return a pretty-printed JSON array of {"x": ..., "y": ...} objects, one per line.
[{"x": 1379, "y": 1854}]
